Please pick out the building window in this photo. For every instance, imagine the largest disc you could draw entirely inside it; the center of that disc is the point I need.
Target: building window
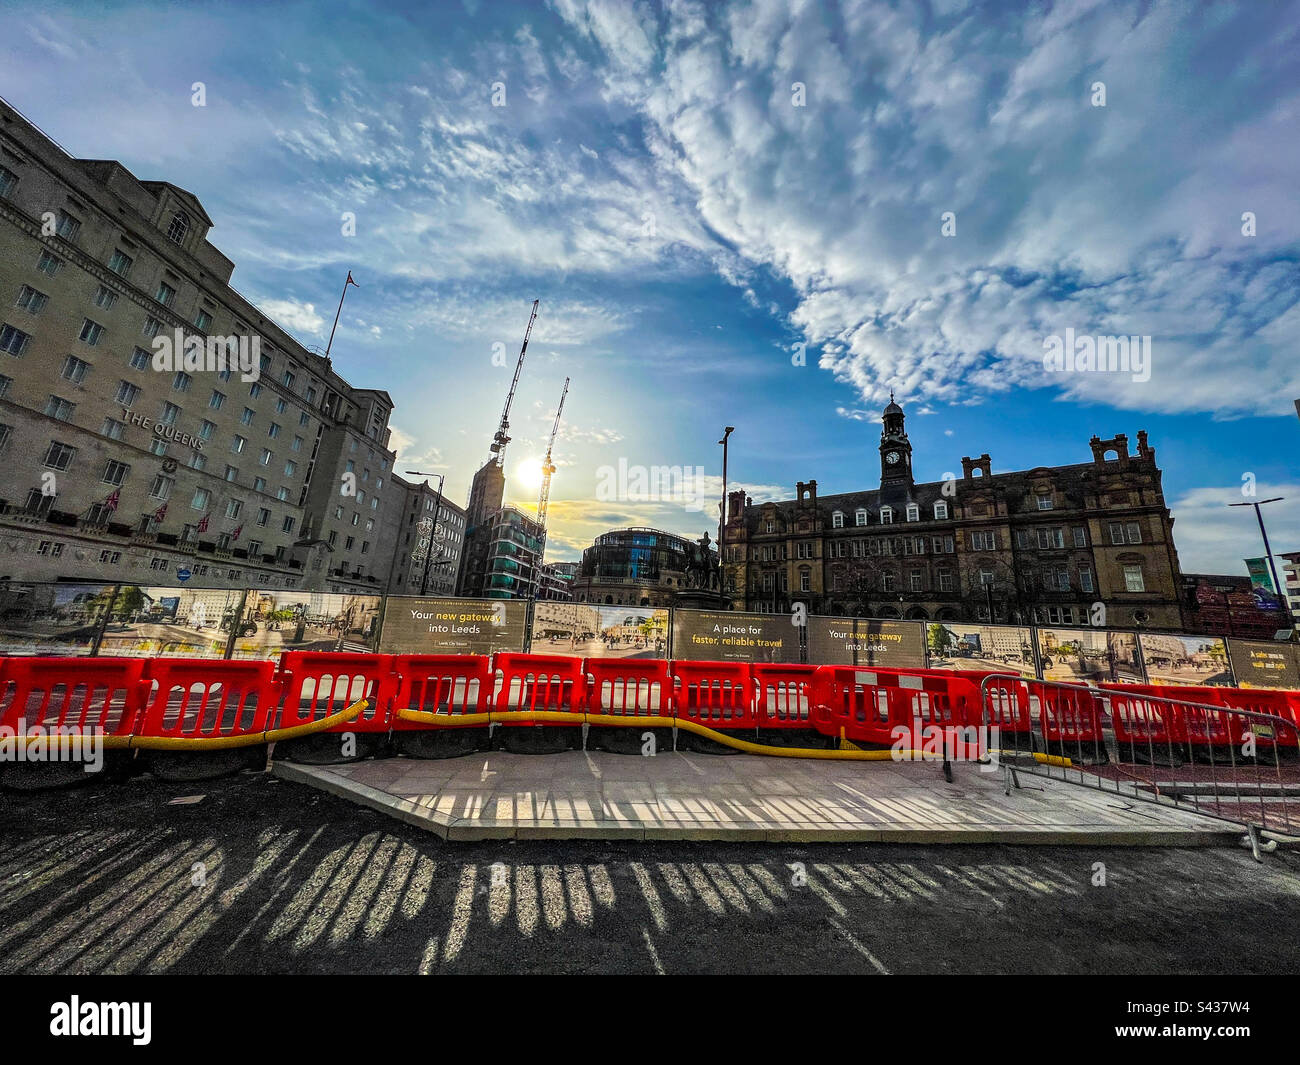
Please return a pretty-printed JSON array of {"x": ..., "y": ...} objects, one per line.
[
  {"x": 151, "y": 327},
  {"x": 255, "y": 390},
  {"x": 14, "y": 341},
  {"x": 178, "y": 227},
  {"x": 287, "y": 379},
  {"x": 986, "y": 578},
  {"x": 158, "y": 564},
  {"x": 254, "y": 548},
  {"x": 59, "y": 456},
  {"x": 31, "y": 301},
  {"x": 1050, "y": 539},
  {"x": 170, "y": 413},
  {"x": 290, "y": 468},
  {"x": 201, "y": 499},
  {"x": 112, "y": 429},
  {"x": 945, "y": 580},
  {"x": 217, "y": 400},
  {"x": 1133, "y": 579},
  {"x": 60, "y": 408},
  {"x": 1085, "y": 578},
  {"x": 983, "y": 541},
  {"x": 1045, "y": 503},
  {"x": 166, "y": 295},
  {"x": 66, "y": 226},
  {"x": 161, "y": 487},
  {"x": 233, "y": 508},
  {"x": 181, "y": 382},
  {"x": 111, "y": 558},
  {"x": 115, "y": 472},
  {"x": 206, "y": 429},
  {"x": 273, "y": 431},
  {"x": 105, "y": 297},
  {"x": 198, "y": 461},
  {"x": 237, "y": 444},
  {"x": 127, "y": 393},
  {"x": 140, "y": 359},
  {"x": 259, "y": 484},
  {"x": 303, "y": 420},
  {"x": 48, "y": 264},
  {"x": 1125, "y": 532},
  {"x": 1080, "y": 536},
  {"x": 49, "y": 547},
  {"x": 914, "y": 580},
  {"x": 74, "y": 369},
  {"x": 837, "y": 520},
  {"x": 265, "y": 457},
  {"x": 913, "y": 512},
  {"x": 940, "y": 511},
  {"x": 8, "y": 181},
  {"x": 887, "y": 581},
  {"x": 288, "y": 524},
  {"x": 247, "y": 417},
  {"x": 120, "y": 263},
  {"x": 280, "y": 406},
  {"x": 202, "y": 321},
  {"x": 886, "y": 515},
  {"x": 91, "y": 332},
  {"x": 263, "y": 516},
  {"x": 232, "y": 474}
]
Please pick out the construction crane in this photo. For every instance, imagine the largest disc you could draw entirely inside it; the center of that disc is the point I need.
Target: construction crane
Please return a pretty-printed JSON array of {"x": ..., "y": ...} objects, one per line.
[
  {"x": 548, "y": 467},
  {"x": 502, "y": 437}
]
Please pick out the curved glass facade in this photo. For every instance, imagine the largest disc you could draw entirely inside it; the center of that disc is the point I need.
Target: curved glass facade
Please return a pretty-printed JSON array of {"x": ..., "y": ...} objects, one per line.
[{"x": 635, "y": 555}]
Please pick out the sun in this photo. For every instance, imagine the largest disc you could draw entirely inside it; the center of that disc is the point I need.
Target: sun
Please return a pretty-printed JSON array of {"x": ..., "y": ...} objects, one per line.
[{"x": 528, "y": 473}]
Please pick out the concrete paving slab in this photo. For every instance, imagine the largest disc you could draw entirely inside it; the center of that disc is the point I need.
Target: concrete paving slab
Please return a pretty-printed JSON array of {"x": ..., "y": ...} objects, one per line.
[{"x": 684, "y": 796}]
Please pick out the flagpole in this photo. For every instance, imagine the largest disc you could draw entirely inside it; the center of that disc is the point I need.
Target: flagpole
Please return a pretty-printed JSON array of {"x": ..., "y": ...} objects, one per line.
[{"x": 349, "y": 281}]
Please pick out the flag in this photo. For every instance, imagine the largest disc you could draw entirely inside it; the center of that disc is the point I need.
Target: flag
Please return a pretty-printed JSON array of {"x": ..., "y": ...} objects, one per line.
[
  {"x": 203, "y": 522},
  {"x": 238, "y": 529},
  {"x": 113, "y": 499},
  {"x": 350, "y": 281},
  {"x": 160, "y": 513}
]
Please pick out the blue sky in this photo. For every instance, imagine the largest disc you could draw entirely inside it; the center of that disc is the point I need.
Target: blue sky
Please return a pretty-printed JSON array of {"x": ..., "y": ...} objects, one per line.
[{"x": 685, "y": 223}]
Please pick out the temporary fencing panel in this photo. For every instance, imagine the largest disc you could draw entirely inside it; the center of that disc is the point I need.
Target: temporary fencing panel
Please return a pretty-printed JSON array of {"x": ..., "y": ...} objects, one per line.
[
  {"x": 319, "y": 683},
  {"x": 202, "y": 698},
  {"x": 1144, "y": 720},
  {"x": 85, "y": 694},
  {"x": 848, "y": 703},
  {"x": 628, "y": 686},
  {"x": 717, "y": 695},
  {"x": 783, "y": 695},
  {"x": 448, "y": 685},
  {"x": 539, "y": 683}
]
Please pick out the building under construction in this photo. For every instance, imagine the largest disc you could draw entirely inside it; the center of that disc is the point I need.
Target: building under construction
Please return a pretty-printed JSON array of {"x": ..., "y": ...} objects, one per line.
[{"x": 502, "y": 554}]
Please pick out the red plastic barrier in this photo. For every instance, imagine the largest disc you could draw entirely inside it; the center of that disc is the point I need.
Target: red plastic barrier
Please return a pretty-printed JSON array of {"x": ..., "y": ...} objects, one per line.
[
  {"x": 718, "y": 695},
  {"x": 1144, "y": 716},
  {"x": 316, "y": 684},
  {"x": 1069, "y": 715},
  {"x": 452, "y": 685},
  {"x": 539, "y": 682},
  {"x": 849, "y": 702},
  {"x": 628, "y": 686},
  {"x": 89, "y": 694},
  {"x": 783, "y": 695},
  {"x": 200, "y": 697},
  {"x": 1261, "y": 701}
]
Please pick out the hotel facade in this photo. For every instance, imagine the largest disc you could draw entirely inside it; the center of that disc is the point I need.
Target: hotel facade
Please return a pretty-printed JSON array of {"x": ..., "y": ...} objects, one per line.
[{"x": 241, "y": 460}]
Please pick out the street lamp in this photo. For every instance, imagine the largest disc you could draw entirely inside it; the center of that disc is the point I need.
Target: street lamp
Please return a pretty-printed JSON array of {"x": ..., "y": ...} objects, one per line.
[
  {"x": 722, "y": 516},
  {"x": 437, "y": 509},
  {"x": 1268, "y": 552}
]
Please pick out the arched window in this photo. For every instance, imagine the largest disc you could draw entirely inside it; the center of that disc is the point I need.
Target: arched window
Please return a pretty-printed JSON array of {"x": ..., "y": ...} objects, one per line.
[
  {"x": 913, "y": 512},
  {"x": 837, "y": 520},
  {"x": 860, "y": 516},
  {"x": 180, "y": 225},
  {"x": 886, "y": 515},
  {"x": 940, "y": 511}
]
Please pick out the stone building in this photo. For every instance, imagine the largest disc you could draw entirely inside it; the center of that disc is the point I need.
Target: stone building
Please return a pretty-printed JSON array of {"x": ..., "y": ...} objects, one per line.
[
  {"x": 1046, "y": 544},
  {"x": 645, "y": 567},
  {"x": 152, "y": 420}
]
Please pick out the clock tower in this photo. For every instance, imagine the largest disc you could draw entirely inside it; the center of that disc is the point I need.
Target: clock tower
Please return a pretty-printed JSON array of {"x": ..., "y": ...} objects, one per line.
[{"x": 895, "y": 449}]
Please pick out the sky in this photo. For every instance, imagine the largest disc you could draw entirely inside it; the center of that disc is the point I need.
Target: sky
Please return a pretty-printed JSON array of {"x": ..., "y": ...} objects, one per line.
[{"x": 760, "y": 214}]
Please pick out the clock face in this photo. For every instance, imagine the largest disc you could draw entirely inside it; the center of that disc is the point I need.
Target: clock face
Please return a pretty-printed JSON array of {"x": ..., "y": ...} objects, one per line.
[{"x": 891, "y": 457}]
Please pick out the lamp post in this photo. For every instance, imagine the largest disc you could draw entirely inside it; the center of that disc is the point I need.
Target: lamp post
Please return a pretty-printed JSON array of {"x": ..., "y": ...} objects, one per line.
[
  {"x": 722, "y": 516},
  {"x": 1268, "y": 551},
  {"x": 437, "y": 509}
]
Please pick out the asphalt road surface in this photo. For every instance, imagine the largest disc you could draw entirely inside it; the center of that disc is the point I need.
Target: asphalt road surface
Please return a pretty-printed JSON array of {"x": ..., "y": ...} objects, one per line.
[{"x": 264, "y": 876}]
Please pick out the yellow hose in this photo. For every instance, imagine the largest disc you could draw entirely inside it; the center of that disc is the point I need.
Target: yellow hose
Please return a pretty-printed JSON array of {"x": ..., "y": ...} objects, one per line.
[
  {"x": 558, "y": 717},
  {"x": 206, "y": 743}
]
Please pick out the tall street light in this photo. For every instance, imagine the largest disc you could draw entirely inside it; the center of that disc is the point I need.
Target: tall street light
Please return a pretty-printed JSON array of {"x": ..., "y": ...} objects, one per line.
[
  {"x": 722, "y": 516},
  {"x": 437, "y": 509},
  {"x": 1268, "y": 552}
]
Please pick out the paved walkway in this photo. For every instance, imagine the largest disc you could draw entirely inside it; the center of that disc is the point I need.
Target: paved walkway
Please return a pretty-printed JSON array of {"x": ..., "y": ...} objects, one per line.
[{"x": 676, "y": 795}]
